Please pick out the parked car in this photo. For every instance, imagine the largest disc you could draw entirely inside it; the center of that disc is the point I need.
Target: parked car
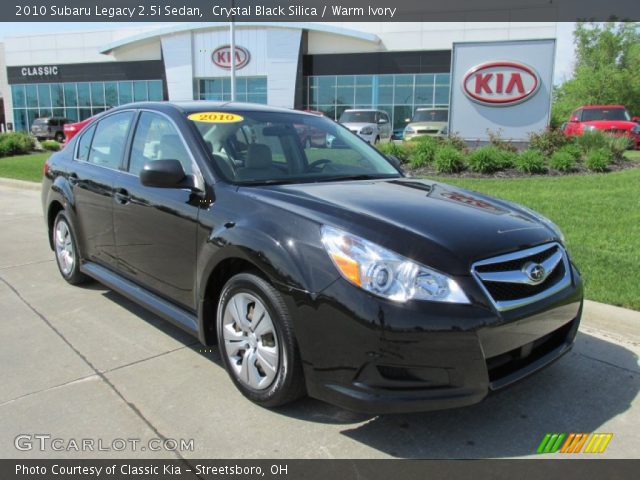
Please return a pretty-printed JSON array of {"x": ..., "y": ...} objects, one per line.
[
  {"x": 373, "y": 126},
  {"x": 49, "y": 128},
  {"x": 71, "y": 129},
  {"x": 427, "y": 121},
  {"x": 319, "y": 271},
  {"x": 610, "y": 119}
]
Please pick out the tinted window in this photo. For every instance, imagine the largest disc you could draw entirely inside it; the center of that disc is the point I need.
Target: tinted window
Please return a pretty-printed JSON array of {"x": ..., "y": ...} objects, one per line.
[
  {"x": 358, "y": 117},
  {"x": 157, "y": 139},
  {"x": 109, "y": 140},
  {"x": 590, "y": 114},
  {"x": 430, "y": 116},
  {"x": 84, "y": 144}
]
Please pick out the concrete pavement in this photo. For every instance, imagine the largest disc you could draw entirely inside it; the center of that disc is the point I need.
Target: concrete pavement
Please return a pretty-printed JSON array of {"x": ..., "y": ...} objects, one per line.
[{"x": 85, "y": 363}]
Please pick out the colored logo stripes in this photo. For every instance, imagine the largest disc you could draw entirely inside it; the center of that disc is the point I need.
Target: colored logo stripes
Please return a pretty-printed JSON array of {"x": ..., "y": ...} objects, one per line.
[{"x": 574, "y": 443}]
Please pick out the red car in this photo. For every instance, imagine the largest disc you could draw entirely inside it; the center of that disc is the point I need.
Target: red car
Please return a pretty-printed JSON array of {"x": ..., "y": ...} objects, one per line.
[
  {"x": 611, "y": 119},
  {"x": 71, "y": 129}
]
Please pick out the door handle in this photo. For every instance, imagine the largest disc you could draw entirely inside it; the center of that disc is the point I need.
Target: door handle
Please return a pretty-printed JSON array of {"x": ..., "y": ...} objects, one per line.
[{"x": 122, "y": 196}]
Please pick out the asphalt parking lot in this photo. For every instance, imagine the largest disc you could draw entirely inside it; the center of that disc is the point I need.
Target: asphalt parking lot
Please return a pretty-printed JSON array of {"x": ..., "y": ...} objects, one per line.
[{"x": 85, "y": 363}]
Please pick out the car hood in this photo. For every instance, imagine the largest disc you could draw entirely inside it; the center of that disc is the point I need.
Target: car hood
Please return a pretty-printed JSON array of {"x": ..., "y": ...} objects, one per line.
[
  {"x": 606, "y": 124},
  {"x": 436, "y": 224},
  {"x": 358, "y": 126},
  {"x": 428, "y": 125}
]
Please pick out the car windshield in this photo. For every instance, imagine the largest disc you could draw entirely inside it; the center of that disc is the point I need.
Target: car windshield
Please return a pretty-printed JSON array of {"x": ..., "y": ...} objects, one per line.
[
  {"x": 358, "y": 117},
  {"x": 269, "y": 148},
  {"x": 430, "y": 116},
  {"x": 591, "y": 114},
  {"x": 41, "y": 121}
]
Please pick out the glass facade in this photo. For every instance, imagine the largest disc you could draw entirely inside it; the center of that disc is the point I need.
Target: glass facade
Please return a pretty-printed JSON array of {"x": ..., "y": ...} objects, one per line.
[
  {"x": 399, "y": 95},
  {"x": 248, "y": 89},
  {"x": 77, "y": 101}
]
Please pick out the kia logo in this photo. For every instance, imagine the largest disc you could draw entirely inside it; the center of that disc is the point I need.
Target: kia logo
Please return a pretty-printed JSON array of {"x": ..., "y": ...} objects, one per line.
[
  {"x": 500, "y": 83},
  {"x": 221, "y": 57}
]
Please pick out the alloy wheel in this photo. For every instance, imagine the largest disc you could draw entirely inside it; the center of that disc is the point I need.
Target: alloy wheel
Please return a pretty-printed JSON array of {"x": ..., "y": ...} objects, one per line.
[{"x": 64, "y": 248}]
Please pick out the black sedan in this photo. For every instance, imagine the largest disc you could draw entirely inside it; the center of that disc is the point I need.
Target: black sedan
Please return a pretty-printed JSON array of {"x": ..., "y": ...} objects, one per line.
[{"x": 317, "y": 271}]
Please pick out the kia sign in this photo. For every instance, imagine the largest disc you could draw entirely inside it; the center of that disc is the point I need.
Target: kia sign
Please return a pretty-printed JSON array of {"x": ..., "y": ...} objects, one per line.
[
  {"x": 514, "y": 75},
  {"x": 221, "y": 57},
  {"x": 500, "y": 83}
]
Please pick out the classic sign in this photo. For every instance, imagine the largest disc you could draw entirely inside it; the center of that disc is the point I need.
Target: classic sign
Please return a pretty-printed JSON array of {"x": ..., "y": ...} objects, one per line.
[
  {"x": 221, "y": 57},
  {"x": 41, "y": 71},
  {"x": 500, "y": 83}
]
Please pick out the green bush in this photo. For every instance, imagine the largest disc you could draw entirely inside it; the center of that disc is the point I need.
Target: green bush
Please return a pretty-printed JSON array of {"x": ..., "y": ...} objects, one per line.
[
  {"x": 495, "y": 139},
  {"x": 454, "y": 141},
  {"x": 487, "y": 159},
  {"x": 619, "y": 145},
  {"x": 448, "y": 159},
  {"x": 548, "y": 141},
  {"x": 573, "y": 150},
  {"x": 423, "y": 151},
  {"x": 592, "y": 141},
  {"x": 4, "y": 149},
  {"x": 530, "y": 161},
  {"x": 50, "y": 145},
  {"x": 562, "y": 161},
  {"x": 598, "y": 159},
  {"x": 16, "y": 143},
  {"x": 508, "y": 159}
]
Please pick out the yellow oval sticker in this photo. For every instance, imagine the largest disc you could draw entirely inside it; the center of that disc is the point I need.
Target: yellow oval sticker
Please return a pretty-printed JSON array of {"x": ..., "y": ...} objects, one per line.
[{"x": 215, "y": 117}]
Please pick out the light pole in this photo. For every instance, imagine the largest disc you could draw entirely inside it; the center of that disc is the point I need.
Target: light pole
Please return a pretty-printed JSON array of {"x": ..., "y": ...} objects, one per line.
[{"x": 232, "y": 43}]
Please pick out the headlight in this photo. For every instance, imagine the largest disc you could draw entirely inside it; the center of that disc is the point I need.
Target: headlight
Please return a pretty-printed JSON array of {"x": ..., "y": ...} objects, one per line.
[
  {"x": 366, "y": 131},
  {"x": 546, "y": 221},
  {"x": 636, "y": 130},
  {"x": 409, "y": 130},
  {"x": 385, "y": 273},
  {"x": 589, "y": 128}
]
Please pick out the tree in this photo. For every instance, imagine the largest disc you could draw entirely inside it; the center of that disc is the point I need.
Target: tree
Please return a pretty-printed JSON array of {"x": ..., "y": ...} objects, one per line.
[{"x": 607, "y": 69}]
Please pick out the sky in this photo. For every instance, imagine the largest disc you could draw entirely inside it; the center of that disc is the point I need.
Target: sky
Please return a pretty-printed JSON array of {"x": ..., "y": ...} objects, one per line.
[{"x": 564, "y": 48}]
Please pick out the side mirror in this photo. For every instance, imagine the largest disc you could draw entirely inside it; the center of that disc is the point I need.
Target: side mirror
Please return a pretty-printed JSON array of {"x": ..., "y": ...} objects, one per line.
[
  {"x": 573, "y": 119},
  {"x": 163, "y": 174},
  {"x": 635, "y": 119}
]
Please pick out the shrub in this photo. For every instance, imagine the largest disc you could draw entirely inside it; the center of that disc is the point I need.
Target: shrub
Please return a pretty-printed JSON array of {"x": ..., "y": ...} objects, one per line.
[
  {"x": 618, "y": 145},
  {"x": 562, "y": 161},
  {"x": 573, "y": 150},
  {"x": 495, "y": 139},
  {"x": 486, "y": 159},
  {"x": 592, "y": 141},
  {"x": 50, "y": 145},
  {"x": 423, "y": 151},
  {"x": 598, "y": 159},
  {"x": 508, "y": 159},
  {"x": 530, "y": 161},
  {"x": 454, "y": 141},
  {"x": 16, "y": 143},
  {"x": 448, "y": 159},
  {"x": 4, "y": 149},
  {"x": 548, "y": 141}
]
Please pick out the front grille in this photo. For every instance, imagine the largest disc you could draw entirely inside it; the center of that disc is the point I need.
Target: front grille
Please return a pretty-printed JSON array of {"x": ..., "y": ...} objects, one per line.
[
  {"x": 507, "y": 281},
  {"x": 431, "y": 130},
  {"x": 616, "y": 131}
]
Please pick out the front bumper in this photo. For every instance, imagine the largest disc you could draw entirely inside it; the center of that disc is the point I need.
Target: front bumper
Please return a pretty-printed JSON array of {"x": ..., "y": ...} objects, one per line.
[{"x": 369, "y": 355}]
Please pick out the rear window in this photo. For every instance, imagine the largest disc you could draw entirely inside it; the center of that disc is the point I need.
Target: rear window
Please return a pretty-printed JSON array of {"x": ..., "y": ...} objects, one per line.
[{"x": 593, "y": 114}]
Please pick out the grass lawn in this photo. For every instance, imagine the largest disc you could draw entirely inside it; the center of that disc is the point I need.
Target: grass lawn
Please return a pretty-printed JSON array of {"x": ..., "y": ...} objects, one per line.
[
  {"x": 23, "y": 167},
  {"x": 600, "y": 217},
  {"x": 632, "y": 154}
]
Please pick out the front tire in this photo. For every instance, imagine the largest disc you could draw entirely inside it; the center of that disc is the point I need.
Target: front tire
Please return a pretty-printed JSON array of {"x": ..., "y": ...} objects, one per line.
[
  {"x": 66, "y": 250},
  {"x": 256, "y": 342}
]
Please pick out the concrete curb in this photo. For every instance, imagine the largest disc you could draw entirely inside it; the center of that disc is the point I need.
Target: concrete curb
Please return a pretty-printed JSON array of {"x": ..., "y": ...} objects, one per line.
[
  {"x": 10, "y": 182},
  {"x": 616, "y": 322}
]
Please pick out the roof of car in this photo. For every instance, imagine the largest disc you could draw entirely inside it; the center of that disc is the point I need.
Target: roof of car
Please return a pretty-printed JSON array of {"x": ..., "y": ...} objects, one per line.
[
  {"x": 603, "y": 106},
  {"x": 363, "y": 110},
  {"x": 422, "y": 109},
  {"x": 206, "y": 105}
]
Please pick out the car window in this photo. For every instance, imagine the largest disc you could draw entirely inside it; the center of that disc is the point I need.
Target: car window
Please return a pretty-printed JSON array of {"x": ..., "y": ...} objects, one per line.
[
  {"x": 157, "y": 139},
  {"x": 109, "y": 140},
  {"x": 287, "y": 148},
  {"x": 84, "y": 144}
]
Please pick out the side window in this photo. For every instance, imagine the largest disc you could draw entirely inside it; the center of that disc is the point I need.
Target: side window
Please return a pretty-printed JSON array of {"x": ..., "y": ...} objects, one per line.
[
  {"x": 157, "y": 139},
  {"x": 109, "y": 140},
  {"x": 579, "y": 115},
  {"x": 84, "y": 144}
]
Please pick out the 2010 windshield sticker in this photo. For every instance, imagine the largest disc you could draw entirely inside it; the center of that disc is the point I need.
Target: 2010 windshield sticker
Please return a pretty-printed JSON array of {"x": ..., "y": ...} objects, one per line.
[{"x": 215, "y": 117}]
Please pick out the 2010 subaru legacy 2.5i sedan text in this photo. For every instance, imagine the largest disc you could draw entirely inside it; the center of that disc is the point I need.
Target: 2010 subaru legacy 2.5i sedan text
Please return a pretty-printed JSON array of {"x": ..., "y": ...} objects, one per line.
[{"x": 322, "y": 271}]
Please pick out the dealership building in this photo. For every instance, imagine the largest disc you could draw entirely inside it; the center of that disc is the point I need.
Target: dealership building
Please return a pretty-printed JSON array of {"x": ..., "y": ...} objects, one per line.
[{"x": 329, "y": 67}]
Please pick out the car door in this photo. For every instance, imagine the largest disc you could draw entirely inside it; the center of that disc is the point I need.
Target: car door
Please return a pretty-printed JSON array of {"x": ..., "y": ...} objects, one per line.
[
  {"x": 98, "y": 155},
  {"x": 155, "y": 228},
  {"x": 387, "y": 127}
]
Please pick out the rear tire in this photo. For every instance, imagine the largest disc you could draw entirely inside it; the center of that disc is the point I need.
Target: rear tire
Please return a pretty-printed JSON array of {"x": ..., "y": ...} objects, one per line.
[
  {"x": 59, "y": 137},
  {"x": 256, "y": 341},
  {"x": 66, "y": 250}
]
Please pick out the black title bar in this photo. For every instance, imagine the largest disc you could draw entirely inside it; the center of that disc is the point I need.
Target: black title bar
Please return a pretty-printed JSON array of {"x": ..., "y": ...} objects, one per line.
[{"x": 316, "y": 10}]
